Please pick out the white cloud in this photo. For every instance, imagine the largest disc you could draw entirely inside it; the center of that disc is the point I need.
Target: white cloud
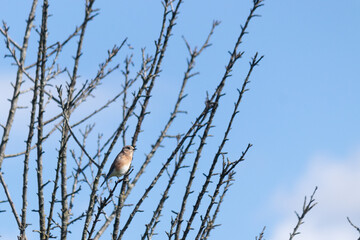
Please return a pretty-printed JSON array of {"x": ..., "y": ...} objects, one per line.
[{"x": 338, "y": 196}]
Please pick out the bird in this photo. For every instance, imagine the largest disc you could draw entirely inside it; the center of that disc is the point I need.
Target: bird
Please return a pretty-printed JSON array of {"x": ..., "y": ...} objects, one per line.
[{"x": 121, "y": 164}]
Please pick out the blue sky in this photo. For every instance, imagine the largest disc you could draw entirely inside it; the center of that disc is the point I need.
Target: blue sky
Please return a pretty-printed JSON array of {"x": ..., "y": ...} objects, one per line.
[{"x": 301, "y": 112}]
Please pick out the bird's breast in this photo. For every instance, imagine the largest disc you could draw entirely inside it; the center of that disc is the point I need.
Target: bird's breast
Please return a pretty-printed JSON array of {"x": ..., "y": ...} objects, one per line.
[{"x": 122, "y": 169}]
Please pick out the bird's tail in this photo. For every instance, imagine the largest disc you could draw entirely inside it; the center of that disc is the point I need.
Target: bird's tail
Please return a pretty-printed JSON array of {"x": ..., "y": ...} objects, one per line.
[{"x": 104, "y": 181}]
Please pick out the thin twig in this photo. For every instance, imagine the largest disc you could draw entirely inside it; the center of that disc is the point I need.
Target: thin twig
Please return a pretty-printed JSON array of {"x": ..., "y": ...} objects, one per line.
[
  {"x": 7, "y": 193},
  {"x": 305, "y": 210},
  {"x": 261, "y": 235},
  {"x": 354, "y": 226}
]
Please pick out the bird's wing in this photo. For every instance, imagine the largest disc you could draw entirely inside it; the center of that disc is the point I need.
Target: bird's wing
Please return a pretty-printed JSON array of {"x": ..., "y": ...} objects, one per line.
[{"x": 111, "y": 170}]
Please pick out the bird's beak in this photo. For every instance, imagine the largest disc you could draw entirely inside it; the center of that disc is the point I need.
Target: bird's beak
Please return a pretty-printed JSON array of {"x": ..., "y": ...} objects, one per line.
[{"x": 134, "y": 148}]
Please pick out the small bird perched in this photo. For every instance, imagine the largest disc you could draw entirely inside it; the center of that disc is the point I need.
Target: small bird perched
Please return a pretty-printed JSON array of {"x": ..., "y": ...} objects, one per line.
[{"x": 121, "y": 164}]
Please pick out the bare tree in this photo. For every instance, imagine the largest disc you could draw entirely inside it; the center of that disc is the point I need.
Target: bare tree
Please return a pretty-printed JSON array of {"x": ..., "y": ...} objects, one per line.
[{"x": 79, "y": 168}]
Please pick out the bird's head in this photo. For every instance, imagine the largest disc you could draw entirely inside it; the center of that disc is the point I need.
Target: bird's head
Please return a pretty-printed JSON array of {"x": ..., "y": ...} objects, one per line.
[{"x": 128, "y": 149}]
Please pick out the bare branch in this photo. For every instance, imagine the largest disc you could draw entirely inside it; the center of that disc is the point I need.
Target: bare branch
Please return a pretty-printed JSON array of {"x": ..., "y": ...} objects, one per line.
[
  {"x": 7, "y": 193},
  {"x": 18, "y": 81},
  {"x": 102, "y": 204},
  {"x": 261, "y": 235},
  {"x": 28, "y": 143},
  {"x": 216, "y": 95},
  {"x": 150, "y": 227},
  {"x": 353, "y": 225},
  {"x": 40, "y": 74},
  {"x": 306, "y": 209}
]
